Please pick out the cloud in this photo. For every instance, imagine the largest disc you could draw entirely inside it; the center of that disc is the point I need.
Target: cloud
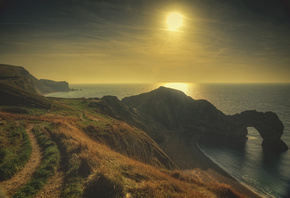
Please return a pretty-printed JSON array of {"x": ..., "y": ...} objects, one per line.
[{"x": 217, "y": 36}]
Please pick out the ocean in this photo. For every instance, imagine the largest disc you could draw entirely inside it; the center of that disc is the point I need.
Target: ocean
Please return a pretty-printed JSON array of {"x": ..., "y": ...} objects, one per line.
[{"x": 266, "y": 173}]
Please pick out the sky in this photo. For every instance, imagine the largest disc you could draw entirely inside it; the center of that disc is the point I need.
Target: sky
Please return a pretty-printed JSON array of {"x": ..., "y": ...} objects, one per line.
[{"x": 128, "y": 41}]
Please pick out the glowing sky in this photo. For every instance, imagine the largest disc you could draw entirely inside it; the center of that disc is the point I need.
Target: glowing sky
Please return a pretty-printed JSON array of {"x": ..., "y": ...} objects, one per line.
[{"x": 109, "y": 41}]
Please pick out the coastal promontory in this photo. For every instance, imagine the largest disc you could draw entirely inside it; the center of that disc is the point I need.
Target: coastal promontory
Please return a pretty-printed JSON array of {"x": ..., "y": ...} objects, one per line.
[
  {"x": 18, "y": 76},
  {"x": 177, "y": 114}
]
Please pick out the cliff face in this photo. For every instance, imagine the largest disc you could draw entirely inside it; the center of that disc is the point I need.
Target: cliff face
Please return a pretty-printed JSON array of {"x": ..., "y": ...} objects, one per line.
[
  {"x": 19, "y": 77},
  {"x": 179, "y": 114},
  {"x": 165, "y": 113},
  {"x": 53, "y": 86}
]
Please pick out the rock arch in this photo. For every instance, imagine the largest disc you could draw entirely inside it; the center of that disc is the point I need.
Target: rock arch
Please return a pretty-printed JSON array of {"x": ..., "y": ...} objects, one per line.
[{"x": 267, "y": 124}]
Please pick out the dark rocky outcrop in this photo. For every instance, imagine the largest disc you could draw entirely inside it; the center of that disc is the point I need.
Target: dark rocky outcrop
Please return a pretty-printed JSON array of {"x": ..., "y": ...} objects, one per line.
[
  {"x": 267, "y": 124},
  {"x": 180, "y": 114},
  {"x": 19, "y": 77},
  {"x": 175, "y": 113},
  {"x": 166, "y": 113}
]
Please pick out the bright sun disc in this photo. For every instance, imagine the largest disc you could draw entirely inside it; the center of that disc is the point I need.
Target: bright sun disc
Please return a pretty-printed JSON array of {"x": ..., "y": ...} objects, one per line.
[{"x": 174, "y": 21}]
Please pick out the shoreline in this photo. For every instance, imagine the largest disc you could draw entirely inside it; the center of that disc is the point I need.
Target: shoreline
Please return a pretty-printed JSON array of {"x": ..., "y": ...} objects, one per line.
[
  {"x": 194, "y": 161},
  {"x": 224, "y": 176},
  {"x": 257, "y": 191}
]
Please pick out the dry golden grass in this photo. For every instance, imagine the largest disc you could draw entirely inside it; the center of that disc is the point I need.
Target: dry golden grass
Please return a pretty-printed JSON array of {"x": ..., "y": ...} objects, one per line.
[
  {"x": 92, "y": 168},
  {"x": 132, "y": 177}
]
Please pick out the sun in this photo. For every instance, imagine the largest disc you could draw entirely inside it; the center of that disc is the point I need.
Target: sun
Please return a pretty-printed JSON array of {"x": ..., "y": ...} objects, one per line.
[{"x": 174, "y": 21}]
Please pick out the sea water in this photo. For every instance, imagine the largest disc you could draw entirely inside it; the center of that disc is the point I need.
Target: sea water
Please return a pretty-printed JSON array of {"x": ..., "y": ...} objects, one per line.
[{"x": 268, "y": 173}]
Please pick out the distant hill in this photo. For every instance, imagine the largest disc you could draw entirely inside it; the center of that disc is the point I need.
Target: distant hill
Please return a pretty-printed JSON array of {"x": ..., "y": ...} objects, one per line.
[
  {"x": 19, "y": 77},
  {"x": 19, "y": 88}
]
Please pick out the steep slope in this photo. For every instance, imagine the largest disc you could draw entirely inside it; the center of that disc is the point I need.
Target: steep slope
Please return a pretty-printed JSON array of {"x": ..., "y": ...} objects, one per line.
[
  {"x": 12, "y": 95},
  {"x": 183, "y": 115},
  {"x": 19, "y": 77},
  {"x": 105, "y": 157},
  {"x": 176, "y": 112},
  {"x": 119, "y": 135},
  {"x": 112, "y": 106}
]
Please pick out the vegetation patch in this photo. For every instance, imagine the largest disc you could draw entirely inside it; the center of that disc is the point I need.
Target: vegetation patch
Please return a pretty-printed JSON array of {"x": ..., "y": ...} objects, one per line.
[
  {"x": 48, "y": 167},
  {"x": 104, "y": 186},
  {"x": 76, "y": 168},
  {"x": 15, "y": 149}
]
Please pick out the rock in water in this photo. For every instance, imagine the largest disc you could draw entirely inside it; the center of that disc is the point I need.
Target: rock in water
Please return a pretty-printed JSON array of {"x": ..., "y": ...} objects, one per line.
[
  {"x": 267, "y": 124},
  {"x": 274, "y": 146}
]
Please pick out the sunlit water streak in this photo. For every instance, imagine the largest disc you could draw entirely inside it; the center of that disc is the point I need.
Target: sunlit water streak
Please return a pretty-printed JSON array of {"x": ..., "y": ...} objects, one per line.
[{"x": 270, "y": 174}]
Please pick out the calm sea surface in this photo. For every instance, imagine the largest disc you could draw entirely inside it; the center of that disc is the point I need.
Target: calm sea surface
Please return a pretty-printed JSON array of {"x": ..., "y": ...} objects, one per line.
[{"x": 269, "y": 174}]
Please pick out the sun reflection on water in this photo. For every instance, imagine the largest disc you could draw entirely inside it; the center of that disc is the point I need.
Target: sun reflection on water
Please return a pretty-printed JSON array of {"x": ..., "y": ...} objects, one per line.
[{"x": 184, "y": 87}]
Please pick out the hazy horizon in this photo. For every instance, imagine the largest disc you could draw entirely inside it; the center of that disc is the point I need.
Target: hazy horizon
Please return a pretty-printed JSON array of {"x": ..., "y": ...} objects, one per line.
[{"x": 88, "y": 42}]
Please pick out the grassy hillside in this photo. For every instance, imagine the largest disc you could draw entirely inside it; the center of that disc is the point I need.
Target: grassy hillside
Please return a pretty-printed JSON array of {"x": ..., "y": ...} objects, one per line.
[
  {"x": 12, "y": 95},
  {"x": 100, "y": 156}
]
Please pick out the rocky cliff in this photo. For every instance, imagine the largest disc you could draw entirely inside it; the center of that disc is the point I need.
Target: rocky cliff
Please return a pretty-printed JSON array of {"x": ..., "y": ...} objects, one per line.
[
  {"x": 172, "y": 112},
  {"x": 165, "y": 113},
  {"x": 21, "y": 78},
  {"x": 267, "y": 124},
  {"x": 53, "y": 86}
]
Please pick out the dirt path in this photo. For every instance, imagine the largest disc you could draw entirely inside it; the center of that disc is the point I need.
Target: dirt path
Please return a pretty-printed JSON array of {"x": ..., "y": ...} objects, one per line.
[
  {"x": 10, "y": 186},
  {"x": 53, "y": 187}
]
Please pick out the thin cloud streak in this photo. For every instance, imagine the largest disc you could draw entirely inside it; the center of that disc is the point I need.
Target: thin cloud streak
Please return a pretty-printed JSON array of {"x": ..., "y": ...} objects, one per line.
[{"x": 218, "y": 40}]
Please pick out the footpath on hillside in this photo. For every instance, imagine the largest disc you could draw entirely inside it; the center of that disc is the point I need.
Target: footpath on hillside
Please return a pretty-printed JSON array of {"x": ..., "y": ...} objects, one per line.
[{"x": 11, "y": 185}]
